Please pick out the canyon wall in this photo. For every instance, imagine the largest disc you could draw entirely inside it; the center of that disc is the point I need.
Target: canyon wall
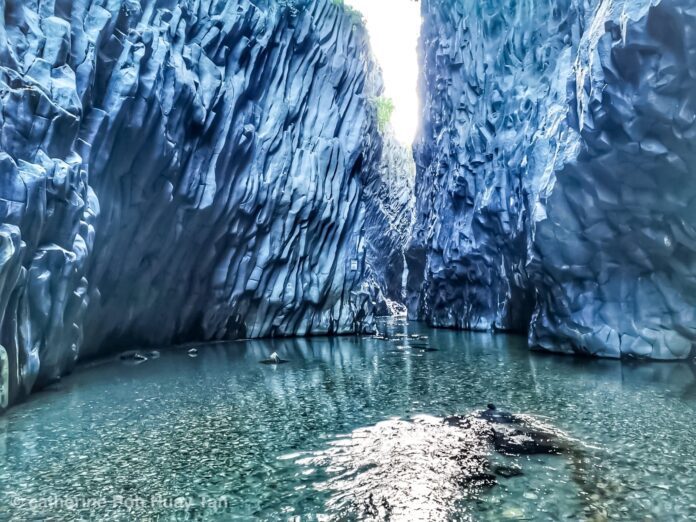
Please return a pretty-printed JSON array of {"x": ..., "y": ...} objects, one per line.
[
  {"x": 174, "y": 171},
  {"x": 556, "y": 180},
  {"x": 389, "y": 224}
]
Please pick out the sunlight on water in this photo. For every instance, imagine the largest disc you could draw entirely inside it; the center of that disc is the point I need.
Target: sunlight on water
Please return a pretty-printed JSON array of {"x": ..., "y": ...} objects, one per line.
[
  {"x": 407, "y": 470},
  {"x": 353, "y": 428}
]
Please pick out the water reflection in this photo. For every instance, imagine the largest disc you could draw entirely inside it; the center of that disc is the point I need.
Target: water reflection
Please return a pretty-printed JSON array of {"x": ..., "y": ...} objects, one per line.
[{"x": 218, "y": 423}]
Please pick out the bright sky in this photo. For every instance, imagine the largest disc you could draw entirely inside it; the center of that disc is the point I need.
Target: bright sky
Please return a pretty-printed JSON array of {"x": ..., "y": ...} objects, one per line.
[{"x": 394, "y": 26}]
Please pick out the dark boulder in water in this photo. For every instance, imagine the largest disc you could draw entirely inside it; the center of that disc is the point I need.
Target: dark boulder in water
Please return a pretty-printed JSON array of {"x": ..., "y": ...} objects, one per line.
[
  {"x": 269, "y": 361},
  {"x": 133, "y": 356},
  {"x": 139, "y": 356},
  {"x": 513, "y": 435},
  {"x": 492, "y": 414},
  {"x": 524, "y": 441}
]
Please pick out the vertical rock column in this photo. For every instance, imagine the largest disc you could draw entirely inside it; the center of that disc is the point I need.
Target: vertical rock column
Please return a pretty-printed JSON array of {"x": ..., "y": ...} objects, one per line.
[
  {"x": 389, "y": 225},
  {"x": 489, "y": 79},
  {"x": 556, "y": 181},
  {"x": 175, "y": 171},
  {"x": 614, "y": 242}
]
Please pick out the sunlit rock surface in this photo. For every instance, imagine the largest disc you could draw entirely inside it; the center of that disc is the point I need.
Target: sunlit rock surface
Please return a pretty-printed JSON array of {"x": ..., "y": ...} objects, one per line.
[
  {"x": 177, "y": 171},
  {"x": 555, "y": 184}
]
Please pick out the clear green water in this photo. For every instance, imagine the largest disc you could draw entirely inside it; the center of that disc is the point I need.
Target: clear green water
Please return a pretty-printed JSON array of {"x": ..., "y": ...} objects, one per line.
[{"x": 222, "y": 437}]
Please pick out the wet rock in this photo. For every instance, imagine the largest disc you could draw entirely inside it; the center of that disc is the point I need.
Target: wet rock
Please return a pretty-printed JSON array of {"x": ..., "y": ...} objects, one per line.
[
  {"x": 513, "y": 435},
  {"x": 411, "y": 470},
  {"x": 507, "y": 471},
  {"x": 274, "y": 359},
  {"x": 134, "y": 357},
  {"x": 524, "y": 441},
  {"x": 422, "y": 468},
  {"x": 493, "y": 415}
]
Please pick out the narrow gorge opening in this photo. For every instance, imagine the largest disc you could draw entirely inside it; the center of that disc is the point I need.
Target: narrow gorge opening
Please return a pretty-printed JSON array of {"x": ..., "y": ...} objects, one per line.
[
  {"x": 395, "y": 53},
  {"x": 215, "y": 213},
  {"x": 394, "y": 29}
]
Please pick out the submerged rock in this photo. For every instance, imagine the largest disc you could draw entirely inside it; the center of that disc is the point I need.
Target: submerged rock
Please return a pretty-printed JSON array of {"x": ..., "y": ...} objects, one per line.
[
  {"x": 507, "y": 471},
  {"x": 403, "y": 469},
  {"x": 513, "y": 434},
  {"x": 556, "y": 176},
  {"x": 426, "y": 468}
]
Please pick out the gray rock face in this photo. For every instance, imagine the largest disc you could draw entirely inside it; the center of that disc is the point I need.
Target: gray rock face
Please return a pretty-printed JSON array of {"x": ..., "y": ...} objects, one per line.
[
  {"x": 174, "y": 171},
  {"x": 389, "y": 224},
  {"x": 556, "y": 173}
]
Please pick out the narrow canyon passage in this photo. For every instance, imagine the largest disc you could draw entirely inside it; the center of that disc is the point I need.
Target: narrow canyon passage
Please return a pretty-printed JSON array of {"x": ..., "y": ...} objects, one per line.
[
  {"x": 178, "y": 172},
  {"x": 270, "y": 257}
]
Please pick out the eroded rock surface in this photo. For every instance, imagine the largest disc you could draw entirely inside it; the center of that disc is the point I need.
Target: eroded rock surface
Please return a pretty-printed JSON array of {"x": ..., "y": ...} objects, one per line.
[
  {"x": 556, "y": 184},
  {"x": 389, "y": 225},
  {"x": 176, "y": 171}
]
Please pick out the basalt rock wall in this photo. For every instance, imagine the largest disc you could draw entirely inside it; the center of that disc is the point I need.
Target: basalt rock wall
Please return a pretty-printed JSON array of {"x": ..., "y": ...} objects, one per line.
[
  {"x": 178, "y": 170},
  {"x": 556, "y": 182},
  {"x": 389, "y": 224}
]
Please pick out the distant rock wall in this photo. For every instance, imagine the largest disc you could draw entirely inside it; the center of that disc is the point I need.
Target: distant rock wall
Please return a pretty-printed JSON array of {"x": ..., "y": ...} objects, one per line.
[
  {"x": 175, "y": 171},
  {"x": 389, "y": 224},
  {"x": 556, "y": 180}
]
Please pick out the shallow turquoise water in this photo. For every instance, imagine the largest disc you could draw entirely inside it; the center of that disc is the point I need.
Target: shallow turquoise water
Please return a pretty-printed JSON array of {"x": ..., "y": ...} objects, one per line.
[{"x": 221, "y": 437}]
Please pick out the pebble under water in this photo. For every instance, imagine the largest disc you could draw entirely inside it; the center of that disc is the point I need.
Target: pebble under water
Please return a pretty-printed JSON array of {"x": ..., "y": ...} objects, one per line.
[{"x": 351, "y": 428}]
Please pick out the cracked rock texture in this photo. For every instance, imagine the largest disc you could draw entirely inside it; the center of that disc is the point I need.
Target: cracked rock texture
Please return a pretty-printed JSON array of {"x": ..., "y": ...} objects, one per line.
[
  {"x": 388, "y": 225},
  {"x": 179, "y": 170},
  {"x": 556, "y": 183}
]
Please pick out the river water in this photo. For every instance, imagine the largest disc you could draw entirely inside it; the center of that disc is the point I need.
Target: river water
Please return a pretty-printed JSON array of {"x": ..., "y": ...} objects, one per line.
[{"x": 350, "y": 428}]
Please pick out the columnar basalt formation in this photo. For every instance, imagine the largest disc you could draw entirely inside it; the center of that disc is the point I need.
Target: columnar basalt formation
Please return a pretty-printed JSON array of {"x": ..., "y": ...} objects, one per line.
[
  {"x": 210, "y": 169},
  {"x": 389, "y": 224},
  {"x": 556, "y": 180},
  {"x": 175, "y": 171}
]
